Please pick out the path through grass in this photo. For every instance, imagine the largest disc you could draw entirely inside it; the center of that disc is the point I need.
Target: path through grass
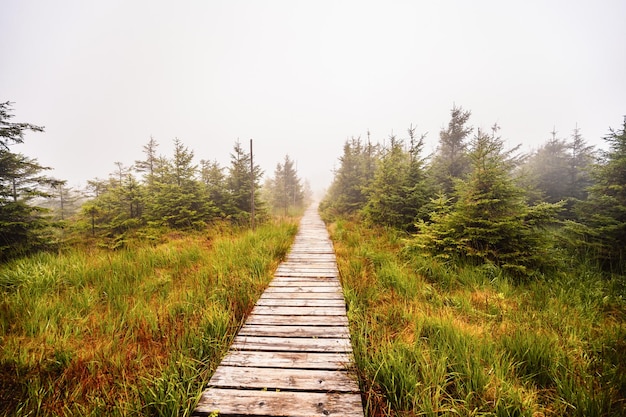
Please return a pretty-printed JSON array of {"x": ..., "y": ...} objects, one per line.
[
  {"x": 438, "y": 339},
  {"x": 129, "y": 332}
]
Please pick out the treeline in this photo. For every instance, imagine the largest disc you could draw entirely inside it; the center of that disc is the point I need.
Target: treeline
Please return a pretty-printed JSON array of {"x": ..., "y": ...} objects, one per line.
[
  {"x": 156, "y": 192},
  {"x": 476, "y": 200}
]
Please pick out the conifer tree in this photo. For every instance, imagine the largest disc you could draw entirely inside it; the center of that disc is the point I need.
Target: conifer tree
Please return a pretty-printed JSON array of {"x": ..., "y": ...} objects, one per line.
[
  {"x": 548, "y": 171},
  {"x": 489, "y": 221},
  {"x": 214, "y": 182},
  {"x": 386, "y": 196},
  {"x": 285, "y": 187},
  {"x": 23, "y": 226},
  {"x": 239, "y": 185},
  {"x": 347, "y": 193},
  {"x": 177, "y": 199},
  {"x": 581, "y": 158},
  {"x": 148, "y": 166},
  {"x": 451, "y": 160},
  {"x": 604, "y": 211}
]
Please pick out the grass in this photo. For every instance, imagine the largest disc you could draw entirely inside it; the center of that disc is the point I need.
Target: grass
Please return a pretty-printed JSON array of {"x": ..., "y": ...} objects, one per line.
[
  {"x": 435, "y": 339},
  {"x": 137, "y": 331}
]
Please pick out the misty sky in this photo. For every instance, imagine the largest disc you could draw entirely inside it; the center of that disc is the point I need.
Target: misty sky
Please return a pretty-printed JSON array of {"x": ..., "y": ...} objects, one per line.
[{"x": 301, "y": 77}]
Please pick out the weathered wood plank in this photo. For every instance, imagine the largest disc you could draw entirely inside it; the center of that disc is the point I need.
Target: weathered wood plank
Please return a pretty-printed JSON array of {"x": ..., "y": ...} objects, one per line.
[
  {"x": 289, "y": 344},
  {"x": 271, "y": 403},
  {"x": 296, "y": 360},
  {"x": 305, "y": 283},
  {"x": 283, "y": 379},
  {"x": 298, "y": 320},
  {"x": 301, "y": 289},
  {"x": 303, "y": 295},
  {"x": 306, "y": 275},
  {"x": 308, "y": 268},
  {"x": 307, "y": 265},
  {"x": 298, "y": 302},
  {"x": 281, "y": 272},
  {"x": 311, "y": 280},
  {"x": 299, "y": 311},
  {"x": 295, "y": 331}
]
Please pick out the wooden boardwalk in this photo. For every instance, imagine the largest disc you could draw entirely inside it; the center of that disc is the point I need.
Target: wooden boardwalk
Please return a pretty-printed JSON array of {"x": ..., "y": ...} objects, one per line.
[{"x": 292, "y": 357}]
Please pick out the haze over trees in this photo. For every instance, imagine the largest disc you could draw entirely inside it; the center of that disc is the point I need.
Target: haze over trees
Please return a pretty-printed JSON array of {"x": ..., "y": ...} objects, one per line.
[
  {"x": 498, "y": 287},
  {"x": 473, "y": 199},
  {"x": 159, "y": 191},
  {"x": 478, "y": 279}
]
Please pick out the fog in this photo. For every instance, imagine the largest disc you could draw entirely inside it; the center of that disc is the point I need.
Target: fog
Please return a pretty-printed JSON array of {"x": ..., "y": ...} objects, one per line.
[{"x": 300, "y": 78}]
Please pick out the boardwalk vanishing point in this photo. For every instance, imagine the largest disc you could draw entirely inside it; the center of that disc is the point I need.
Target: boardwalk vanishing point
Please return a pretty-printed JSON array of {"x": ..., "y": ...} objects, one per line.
[{"x": 293, "y": 356}]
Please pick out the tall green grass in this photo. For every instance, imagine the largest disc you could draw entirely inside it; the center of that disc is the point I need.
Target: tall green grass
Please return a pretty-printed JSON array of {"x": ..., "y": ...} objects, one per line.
[
  {"x": 137, "y": 331},
  {"x": 440, "y": 338}
]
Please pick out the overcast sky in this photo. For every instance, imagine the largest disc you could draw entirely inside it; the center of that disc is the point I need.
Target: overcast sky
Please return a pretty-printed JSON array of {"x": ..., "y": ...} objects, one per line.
[{"x": 301, "y": 77}]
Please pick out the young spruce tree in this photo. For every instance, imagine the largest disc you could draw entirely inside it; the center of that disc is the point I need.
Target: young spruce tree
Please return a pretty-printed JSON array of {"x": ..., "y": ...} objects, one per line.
[
  {"x": 604, "y": 212},
  {"x": 23, "y": 226},
  {"x": 490, "y": 221}
]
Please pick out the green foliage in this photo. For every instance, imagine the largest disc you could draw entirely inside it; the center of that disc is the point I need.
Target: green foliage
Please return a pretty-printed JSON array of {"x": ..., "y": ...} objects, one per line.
[
  {"x": 174, "y": 193},
  {"x": 559, "y": 171},
  {"x": 23, "y": 225},
  {"x": 285, "y": 189},
  {"x": 175, "y": 196},
  {"x": 398, "y": 191},
  {"x": 451, "y": 161},
  {"x": 241, "y": 178},
  {"x": 603, "y": 214},
  {"x": 347, "y": 193},
  {"x": 489, "y": 222}
]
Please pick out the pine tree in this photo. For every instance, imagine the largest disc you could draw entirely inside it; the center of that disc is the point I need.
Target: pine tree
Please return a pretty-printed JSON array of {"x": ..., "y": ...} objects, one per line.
[
  {"x": 490, "y": 222},
  {"x": 604, "y": 211},
  {"x": 214, "y": 182},
  {"x": 239, "y": 185},
  {"x": 548, "y": 171},
  {"x": 177, "y": 199},
  {"x": 387, "y": 194},
  {"x": 451, "y": 160},
  {"x": 347, "y": 193},
  {"x": 149, "y": 165},
  {"x": 23, "y": 226},
  {"x": 285, "y": 187},
  {"x": 581, "y": 158}
]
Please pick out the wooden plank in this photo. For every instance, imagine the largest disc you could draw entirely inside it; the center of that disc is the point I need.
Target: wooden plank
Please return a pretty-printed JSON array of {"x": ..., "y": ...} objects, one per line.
[
  {"x": 295, "y": 331},
  {"x": 299, "y": 311},
  {"x": 298, "y": 320},
  {"x": 309, "y": 265},
  {"x": 230, "y": 403},
  {"x": 324, "y": 272},
  {"x": 297, "y": 272},
  {"x": 306, "y": 274},
  {"x": 296, "y": 360},
  {"x": 310, "y": 280},
  {"x": 305, "y": 283},
  {"x": 291, "y": 344},
  {"x": 303, "y": 295},
  {"x": 283, "y": 379},
  {"x": 301, "y": 289},
  {"x": 298, "y": 302}
]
